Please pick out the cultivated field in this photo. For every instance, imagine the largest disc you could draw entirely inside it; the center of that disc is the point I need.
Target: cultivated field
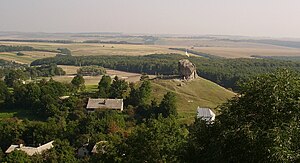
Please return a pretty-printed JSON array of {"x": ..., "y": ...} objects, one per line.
[
  {"x": 225, "y": 49},
  {"x": 85, "y": 49},
  {"x": 230, "y": 49},
  {"x": 247, "y": 52},
  {"x": 27, "y": 58}
]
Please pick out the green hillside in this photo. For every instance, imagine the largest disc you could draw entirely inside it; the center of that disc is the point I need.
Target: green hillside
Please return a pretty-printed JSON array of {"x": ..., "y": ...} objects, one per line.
[{"x": 190, "y": 95}]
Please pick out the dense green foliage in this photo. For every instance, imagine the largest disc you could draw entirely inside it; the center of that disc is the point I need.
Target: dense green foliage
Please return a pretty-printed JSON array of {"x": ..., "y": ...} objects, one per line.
[
  {"x": 262, "y": 125},
  {"x": 3, "y": 91},
  {"x": 78, "y": 82},
  {"x": 226, "y": 72},
  {"x": 5, "y": 48},
  {"x": 104, "y": 86},
  {"x": 45, "y": 71},
  {"x": 140, "y": 96},
  {"x": 118, "y": 88},
  {"x": 14, "y": 77},
  {"x": 9, "y": 64},
  {"x": 17, "y": 75},
  {"x": 160, "y": 140},
  {"x": 17, "y": 156},
  {"x": 152, "y": 64},
  {"x": 91, "y": 71},
  {"x": 167, "y": 107},
  {"x": 39, "y": 98}
]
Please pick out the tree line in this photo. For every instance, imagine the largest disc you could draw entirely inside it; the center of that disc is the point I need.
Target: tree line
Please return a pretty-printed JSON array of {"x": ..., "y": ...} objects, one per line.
[
  {"x": 226, "y": 72},
  {"x": 9, "y": 48}
]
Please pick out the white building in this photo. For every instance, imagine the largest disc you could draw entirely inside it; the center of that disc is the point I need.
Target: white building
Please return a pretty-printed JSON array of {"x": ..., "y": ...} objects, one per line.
[
  {"x": 206, "y": 114},
  {"x": 30, "y": 150}
]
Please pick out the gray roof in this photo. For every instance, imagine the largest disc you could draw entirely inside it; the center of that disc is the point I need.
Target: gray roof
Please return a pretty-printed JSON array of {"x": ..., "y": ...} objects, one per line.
[
  {"x": 206, "y": 114},
  {"x": 30, "y": 150},
  {"x": 115, "y": 104}
]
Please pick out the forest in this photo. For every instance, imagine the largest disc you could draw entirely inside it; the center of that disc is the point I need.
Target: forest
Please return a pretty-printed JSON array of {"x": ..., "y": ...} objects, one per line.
[
  {"x": 5, "y": 48},
  {"x": 263, "y": 130},
  {"x": 225, "y": 72},
  {"x": 11, "y": 70}
]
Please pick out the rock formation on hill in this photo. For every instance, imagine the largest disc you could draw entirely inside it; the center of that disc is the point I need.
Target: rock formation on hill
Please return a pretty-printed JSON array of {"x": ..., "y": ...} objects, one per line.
[{"x": 187, "y": 70}]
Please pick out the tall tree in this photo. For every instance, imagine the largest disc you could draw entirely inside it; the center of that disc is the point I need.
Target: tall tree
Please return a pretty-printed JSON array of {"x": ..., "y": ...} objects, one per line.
[
  {"x": 104, "y": 86},
  {"x": 167, "y": 106},
  {"x": 144, "y": 92},
  {"x": 118, "y": 88},
  {"x": 140, "y": 96},
  {"x": 78, "y": 82},
  {"x": 3, "y": 91}
]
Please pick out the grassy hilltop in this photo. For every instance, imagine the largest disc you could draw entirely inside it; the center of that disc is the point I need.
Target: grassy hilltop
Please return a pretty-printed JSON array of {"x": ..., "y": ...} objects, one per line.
[{"x": 190, "y": 95}]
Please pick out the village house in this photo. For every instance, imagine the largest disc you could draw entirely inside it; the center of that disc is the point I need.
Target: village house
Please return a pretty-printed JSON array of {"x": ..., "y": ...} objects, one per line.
[
  {"x": 99, "y": 147},
  {"x": 206, "y": 114},
  {"x": 104, "y": 104},
  {"x": 30, "y": 150}
]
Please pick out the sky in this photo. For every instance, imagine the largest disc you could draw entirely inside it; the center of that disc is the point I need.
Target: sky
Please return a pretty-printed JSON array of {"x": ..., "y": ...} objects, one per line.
[{"x": 268, "y": 18}]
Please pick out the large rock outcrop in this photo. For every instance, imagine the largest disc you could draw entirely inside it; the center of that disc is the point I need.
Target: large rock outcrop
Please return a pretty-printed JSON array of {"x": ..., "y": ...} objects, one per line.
[{"x": 187, "y": 70}]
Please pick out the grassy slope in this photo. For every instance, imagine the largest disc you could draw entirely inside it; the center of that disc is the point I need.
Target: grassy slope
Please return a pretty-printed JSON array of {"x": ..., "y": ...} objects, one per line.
[{"x": 190, "y": 95}]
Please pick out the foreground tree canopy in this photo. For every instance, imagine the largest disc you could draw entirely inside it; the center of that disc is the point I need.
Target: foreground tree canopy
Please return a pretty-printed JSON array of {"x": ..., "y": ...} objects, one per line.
[
  {"x": 262, "y": 125},
  {"x": 259, "y": 125}
]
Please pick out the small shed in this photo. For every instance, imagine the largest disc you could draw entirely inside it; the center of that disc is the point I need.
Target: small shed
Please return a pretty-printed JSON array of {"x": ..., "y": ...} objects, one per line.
[
  {"x": 104, "y": 104},
  {"x": 206, "y": 114}
]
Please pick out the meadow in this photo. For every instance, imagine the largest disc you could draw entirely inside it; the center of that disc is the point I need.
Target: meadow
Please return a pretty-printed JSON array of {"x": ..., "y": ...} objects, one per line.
[
  {"x": 199, "y": 92},
  {"x": 224, "y": 49},
  {"x": 84, "y": 49},
  {"x": 229, "y": 49}
]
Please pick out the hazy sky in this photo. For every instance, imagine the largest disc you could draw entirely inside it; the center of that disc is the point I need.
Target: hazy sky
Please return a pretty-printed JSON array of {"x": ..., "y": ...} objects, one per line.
[{"x": 277, "y": 18}]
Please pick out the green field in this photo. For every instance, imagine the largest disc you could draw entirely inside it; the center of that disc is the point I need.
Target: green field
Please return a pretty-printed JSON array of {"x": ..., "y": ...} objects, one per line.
[
  {"x": 190, "y": 95},
  {"x": 27, "y": 58},
  {"x": 83, "y": 49}
]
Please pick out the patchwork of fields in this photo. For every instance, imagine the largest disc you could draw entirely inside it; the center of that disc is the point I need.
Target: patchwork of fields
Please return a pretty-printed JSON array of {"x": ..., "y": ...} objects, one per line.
[{"x": 217, "y": 48}]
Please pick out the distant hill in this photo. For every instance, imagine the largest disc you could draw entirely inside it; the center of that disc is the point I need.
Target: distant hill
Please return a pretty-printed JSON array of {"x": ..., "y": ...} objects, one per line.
[{"x": 190, "y": 95}]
